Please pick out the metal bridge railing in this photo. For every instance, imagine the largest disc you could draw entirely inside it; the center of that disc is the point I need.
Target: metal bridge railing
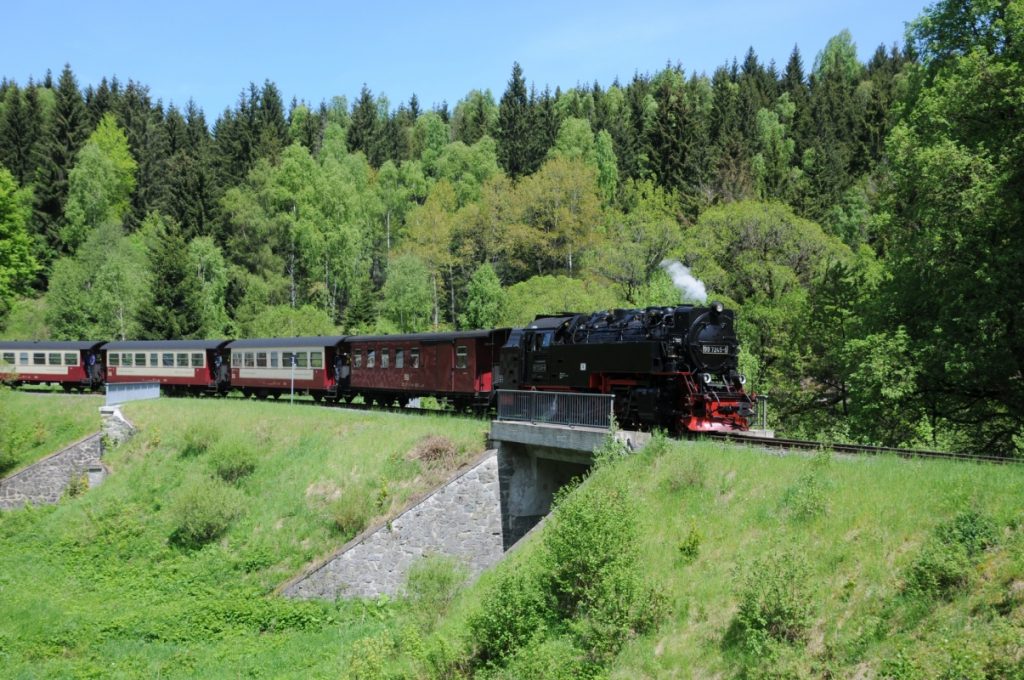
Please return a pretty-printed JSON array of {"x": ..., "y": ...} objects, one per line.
[
  {"x": 557, "y": 408},
  {"x": 119, "y": 393}
]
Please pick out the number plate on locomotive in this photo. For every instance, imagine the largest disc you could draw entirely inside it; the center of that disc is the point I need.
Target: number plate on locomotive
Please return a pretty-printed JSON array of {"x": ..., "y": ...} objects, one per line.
[{"x": 714, "y": 349}]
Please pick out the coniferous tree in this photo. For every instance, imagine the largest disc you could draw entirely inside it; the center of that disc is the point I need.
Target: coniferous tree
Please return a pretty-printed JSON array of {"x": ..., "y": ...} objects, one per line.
[
  {"x": 147, "y": 137},
  {"x": 175, "y": 306},
  {"x": 64, "y": 136},
  {"x": 794, "y": 82},
  {"x": 20, "y": 128},
  {"x": 271, "y": 127},
  {"x": 362, "y": 129},
  {"x": 514, "y": 153}
]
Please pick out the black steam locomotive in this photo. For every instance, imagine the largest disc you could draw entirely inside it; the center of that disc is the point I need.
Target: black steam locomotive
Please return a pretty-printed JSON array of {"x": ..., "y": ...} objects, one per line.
[{"x": 669, "y": 367}]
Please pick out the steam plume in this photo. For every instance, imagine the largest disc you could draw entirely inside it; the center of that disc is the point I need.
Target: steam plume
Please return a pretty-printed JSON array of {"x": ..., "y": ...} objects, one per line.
[{"x": 690, "y": 288}]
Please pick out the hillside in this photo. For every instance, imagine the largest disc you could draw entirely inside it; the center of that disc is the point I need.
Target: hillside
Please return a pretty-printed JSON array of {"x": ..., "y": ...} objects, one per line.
[
  {"x": 34, "y": 425},
  {"x": 166, "y": 568},
  {"x": 686, "y": 560},
  {"x": 705, "y": 560}
]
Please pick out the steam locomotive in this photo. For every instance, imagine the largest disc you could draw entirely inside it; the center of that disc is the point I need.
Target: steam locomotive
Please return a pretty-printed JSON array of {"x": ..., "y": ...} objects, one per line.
[{"x": 674, "y": 368}]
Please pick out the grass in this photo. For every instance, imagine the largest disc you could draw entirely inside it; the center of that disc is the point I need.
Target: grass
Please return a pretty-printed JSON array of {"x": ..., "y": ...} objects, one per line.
[
  {"x": 711, "y": 515},
  {"x": 98, "y": 586},
  {"x": 35, "y": 425}
]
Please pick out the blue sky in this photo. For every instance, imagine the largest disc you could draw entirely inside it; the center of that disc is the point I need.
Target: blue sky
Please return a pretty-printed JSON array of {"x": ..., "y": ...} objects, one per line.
[{"x": 314, "y": 50}]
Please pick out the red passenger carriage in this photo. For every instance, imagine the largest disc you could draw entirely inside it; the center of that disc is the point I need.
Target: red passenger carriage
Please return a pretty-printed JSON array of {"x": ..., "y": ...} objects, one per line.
[
  {"x": 458, "y": 367},
  {"x": 178, "y": 365},
  {"x": 270, "y": 367},
  {"x": 72, "y": 365}
]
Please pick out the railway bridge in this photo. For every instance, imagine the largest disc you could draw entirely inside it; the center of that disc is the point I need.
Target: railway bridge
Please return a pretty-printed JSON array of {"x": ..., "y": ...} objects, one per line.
[{"x": 537, "y": 444}]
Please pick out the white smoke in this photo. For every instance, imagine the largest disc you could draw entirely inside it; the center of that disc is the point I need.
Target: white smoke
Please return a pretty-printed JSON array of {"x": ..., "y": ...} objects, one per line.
[{"x": 690, "y": 288}]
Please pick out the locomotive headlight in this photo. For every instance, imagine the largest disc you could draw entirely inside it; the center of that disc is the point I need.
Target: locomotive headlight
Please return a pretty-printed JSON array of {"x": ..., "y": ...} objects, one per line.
[
  {"x": 718, "y": 307},
  {"x": 706, "y": 377}
]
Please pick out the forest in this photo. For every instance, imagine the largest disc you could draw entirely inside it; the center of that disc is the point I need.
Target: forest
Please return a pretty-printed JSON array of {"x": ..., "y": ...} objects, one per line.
[{"x": 864, "y": 219}]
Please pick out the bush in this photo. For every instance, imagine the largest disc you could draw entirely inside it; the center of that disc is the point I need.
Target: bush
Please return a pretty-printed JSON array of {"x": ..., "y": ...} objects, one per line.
[
  {"x": 944, "y": 562},
  {"x": 232, "y": 460},
  {"x": 198, "y": 439},
  {"x": 774, "y": 601},
  {"x": 350, "y": 512},
  {"x": 432, "y": 585},
  {"x": 201, "y": 511},
  {"x": 689, "y": 548},
  {"x": 552, "y": 659},
  {"x": 513, "y": 613},
  {"x": 14, "y": 439},
  {"x": 808, "y": 498}
]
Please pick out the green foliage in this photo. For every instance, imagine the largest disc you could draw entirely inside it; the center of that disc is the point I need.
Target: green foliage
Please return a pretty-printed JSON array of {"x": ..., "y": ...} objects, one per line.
[
  {"x": 514, "y": 612},
  {"x": 198, "y": 438},
  {"x": 485, "y": 299},
  {"x": 407, "y": 294},
  {"x": 689, "y": 547},
  {"x": 101, "y": 183},
  {"x": 285, "y": 321},
  {"x": 77, "y": 485},
  {"x": 17, "y": 264},
  {"x": 807, "y": 499},
  {"x": 233, "y": 460},
  {"x": 201, "y": 511},
  {"x": 350, "y": 512},
  {"x": 546, "y": 294},
  {"x": 775, "y": 602},
  {"x": 944, "y": 563},
  {"x": 431, "y": 585}
]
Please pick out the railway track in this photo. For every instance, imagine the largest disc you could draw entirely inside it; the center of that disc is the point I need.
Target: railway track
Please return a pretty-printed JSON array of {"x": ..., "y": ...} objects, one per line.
[{"x": 857, "y": 449}]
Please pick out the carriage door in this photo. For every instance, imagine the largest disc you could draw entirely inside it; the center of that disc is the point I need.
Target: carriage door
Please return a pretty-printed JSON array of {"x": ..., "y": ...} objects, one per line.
[{"x": 462, "y": 376}]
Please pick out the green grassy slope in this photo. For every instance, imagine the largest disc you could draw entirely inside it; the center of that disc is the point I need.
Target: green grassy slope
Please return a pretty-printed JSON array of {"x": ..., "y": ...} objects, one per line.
[
  {"x": 850, "y": 549},
  {"x": 35, "y": 425},
  {"x": 166, "y": 570}
]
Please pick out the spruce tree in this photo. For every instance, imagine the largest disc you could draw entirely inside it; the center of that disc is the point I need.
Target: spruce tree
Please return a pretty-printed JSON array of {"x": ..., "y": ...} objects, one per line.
[
  {"x": 514, "y": 153},
  {"x": 65, "y": 135},
  {"x": 175, "y": 308},
  {"x": 362, "y": 130}
]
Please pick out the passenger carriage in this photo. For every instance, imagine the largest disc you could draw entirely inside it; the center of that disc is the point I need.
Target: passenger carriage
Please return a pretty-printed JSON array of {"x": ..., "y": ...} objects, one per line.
[
  {"x": 393, "y": 369},
  {"x": 197, "y": 366},
  {"x": 270, "y": 367},
  {"x": 72, "y": 365}
]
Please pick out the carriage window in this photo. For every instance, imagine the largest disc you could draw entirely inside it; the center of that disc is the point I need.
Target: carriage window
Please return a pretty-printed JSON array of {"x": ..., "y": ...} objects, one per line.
[
  {"x": 414, "y": 357},
  {"x": 140, "y": 359},
  {"x": 114, "y": 358},
  {"x": 38, "y": 358},
  {"x": 385, "y": 358},
  {"x": 197, "y": 359},
  {"x": 273, "y": 359},
  {"x": 461, "y": 357},
  {"x": 167, "y": 360},
  {"x": 53, "y": 359},
  {"x": 154, "y": 359},
  {"x": 250, "y": 360},
  {"x": 316, "y": 359},
  {"x": 399, "y": 358},
  {"x": 371, "y": 358},
  {"x": 357, "y": 358},
  {"x": 9, "y": 358},
  {"x": 182, "y": 360},
  {"x": 261, "y": 359},
  {"x": 23, "y": 358},
  {"x": 126, "y": 359},
  {"x": 70, "y": 358},
  {"x": 300, "y": 359}
]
